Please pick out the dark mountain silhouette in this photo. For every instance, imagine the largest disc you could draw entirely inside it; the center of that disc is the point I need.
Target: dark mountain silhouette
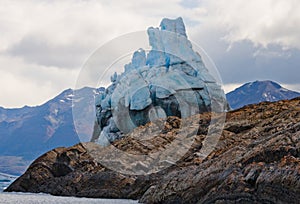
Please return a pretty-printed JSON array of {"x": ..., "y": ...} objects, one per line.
[{"x": 258, "y": 91}]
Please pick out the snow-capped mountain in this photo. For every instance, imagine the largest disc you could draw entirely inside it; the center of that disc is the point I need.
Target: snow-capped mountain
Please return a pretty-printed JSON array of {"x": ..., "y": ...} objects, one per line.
[
  {"x": 258, "y": 91},
  {"x": 26, "y": 133}
]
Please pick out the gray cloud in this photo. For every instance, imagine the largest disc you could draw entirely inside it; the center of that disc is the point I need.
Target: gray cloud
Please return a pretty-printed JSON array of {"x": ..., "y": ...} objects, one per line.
[
  {"x": 190, "y": 3},
  {"x": 244, "y": 61},
  {"x": 240, "y": 64},
  {"x": 37, "y": 50},
  {"x": 260, "y": 21},
  {"x": 44, "y": 43}
]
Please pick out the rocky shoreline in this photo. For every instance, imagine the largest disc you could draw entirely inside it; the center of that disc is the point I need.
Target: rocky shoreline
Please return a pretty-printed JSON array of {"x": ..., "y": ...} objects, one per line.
[{"x": 257, "y": 160}]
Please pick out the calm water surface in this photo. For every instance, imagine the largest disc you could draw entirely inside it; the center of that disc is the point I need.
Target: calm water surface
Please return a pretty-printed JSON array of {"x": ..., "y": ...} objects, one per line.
[{"x": 30, "y": 198}]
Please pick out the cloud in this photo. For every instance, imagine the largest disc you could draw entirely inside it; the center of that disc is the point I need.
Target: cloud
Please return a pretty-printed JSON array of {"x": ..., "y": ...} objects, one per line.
[
  {"x": 254, "y": 40},
  {"x": 22, "y": 83},
  {"x": 245, "y": 62},
  {"x": 230, "y": 87},
  {"x": 294, "y": 87},
  {"x": 44, "y": 44},
  {"x": 39, "y": 51},
  {"x": 262, "y": 22},
  {"x": 64, "y": 33},
  {"x": 60, "y": 33}
]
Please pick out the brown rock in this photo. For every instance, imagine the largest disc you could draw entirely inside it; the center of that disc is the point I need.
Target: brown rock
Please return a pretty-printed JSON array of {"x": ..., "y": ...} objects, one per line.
[{"x": 257, "y": 160}]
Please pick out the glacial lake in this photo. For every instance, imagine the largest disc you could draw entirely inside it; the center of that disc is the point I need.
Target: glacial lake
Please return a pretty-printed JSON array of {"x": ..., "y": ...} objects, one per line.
[
  {"x": 31, "y": 198},
  {"x": 40, "y": 198}
]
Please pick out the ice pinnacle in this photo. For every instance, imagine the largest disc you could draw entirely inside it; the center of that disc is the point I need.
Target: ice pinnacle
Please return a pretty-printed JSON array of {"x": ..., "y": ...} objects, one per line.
[{"x": 170, "y": 80}]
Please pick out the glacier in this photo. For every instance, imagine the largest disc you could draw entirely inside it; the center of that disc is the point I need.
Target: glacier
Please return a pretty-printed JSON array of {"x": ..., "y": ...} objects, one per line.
[{"x": 169, "y": 80}]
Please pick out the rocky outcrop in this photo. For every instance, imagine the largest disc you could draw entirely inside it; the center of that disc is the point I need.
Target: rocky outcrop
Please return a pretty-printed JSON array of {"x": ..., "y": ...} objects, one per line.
[{"x": 256, "y": 160}]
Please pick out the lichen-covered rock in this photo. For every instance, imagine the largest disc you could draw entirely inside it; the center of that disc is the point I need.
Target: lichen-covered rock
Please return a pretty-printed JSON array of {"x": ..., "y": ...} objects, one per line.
[{"x": 170, "y": 80}]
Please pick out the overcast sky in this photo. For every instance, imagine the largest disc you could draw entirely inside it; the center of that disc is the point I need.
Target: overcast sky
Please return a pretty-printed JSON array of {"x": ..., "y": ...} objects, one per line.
[{"x": 44, "y": 43}]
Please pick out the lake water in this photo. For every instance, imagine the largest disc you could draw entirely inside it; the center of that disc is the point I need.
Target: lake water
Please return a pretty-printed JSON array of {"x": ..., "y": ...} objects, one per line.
[
  {"x": 31, "y": 198},
  {"x": 6, "y": 180},
  {"x": 4, "y": 184}
]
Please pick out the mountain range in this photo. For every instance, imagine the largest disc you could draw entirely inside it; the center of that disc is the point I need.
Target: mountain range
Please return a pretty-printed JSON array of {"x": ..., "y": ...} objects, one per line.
[
  {"x": 258, "y": 91},
  {"x": 27, "y": 132}
]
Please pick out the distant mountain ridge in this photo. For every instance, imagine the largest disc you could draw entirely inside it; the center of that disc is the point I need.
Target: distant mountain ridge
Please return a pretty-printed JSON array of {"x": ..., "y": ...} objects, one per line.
[
  {"x": 26, "y": 133},
  {"x": 258, "y": 91},
  {"x": 29, "y": 130}
]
